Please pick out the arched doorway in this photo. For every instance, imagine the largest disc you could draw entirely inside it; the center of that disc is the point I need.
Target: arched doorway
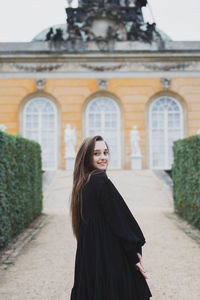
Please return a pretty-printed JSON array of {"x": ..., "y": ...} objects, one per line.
[
  {"x": 165, "y": 127},
  {"x": 103, "y": 118},
  {"x": 40, "y": 125}
]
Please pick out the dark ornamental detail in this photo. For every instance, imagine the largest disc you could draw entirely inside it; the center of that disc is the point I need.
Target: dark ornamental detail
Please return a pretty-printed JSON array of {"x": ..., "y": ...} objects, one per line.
[
  {"x": 105, "y": 22},
  {"x": 37, "y": 67},
  {"x": 51, "y": 36},
  {"x": 103, "y": 68},
  {"x": 170, "y": 66}
]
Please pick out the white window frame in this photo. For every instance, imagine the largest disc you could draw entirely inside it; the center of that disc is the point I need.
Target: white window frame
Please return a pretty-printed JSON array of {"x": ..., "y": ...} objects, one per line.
[
  {"x": 40, "y": 133},
  {"x": 166, "y": 163},
  {"x": 118, "y": 128}
]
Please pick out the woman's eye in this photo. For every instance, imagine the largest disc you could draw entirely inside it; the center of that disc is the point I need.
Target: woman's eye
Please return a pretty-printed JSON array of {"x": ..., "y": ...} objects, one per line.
[
  {"x": 96, "y": 153},
  {"x": 99, "y": 153}
]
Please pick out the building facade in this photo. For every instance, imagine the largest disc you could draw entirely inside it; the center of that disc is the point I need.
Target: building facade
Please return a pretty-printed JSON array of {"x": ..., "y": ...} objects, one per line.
[{"x": 45, "y": 85}]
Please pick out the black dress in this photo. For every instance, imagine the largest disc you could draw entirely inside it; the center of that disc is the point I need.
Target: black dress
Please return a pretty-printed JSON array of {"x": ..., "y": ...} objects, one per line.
[{"x": 108, "y": 242}]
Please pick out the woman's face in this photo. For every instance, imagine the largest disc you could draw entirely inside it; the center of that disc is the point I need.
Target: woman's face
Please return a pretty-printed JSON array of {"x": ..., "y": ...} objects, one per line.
[{"x": 100, "y": 155}]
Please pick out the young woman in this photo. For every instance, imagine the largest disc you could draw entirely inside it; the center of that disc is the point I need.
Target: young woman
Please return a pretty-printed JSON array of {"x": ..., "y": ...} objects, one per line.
[{"x": 108, "y": 264}]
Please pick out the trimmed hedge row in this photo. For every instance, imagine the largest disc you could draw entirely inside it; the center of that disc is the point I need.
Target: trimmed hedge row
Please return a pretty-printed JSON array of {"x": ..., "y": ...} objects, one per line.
[
  {"x": 20, "y": 185},
  {"x": 186, "y": 179}
]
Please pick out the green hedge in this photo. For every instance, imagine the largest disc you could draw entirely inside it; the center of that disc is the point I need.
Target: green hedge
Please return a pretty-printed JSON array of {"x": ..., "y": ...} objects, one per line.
[
  {"x": 20, "y": 185},
  {"x": 186, "y": 179}
]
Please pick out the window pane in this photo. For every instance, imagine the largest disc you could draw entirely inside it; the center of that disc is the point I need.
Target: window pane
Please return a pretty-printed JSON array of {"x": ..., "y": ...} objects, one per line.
[
  {"x": 165, "y": 128},
  {"x": 40, "y": 125},
  {"x": 104, "y": 119}
]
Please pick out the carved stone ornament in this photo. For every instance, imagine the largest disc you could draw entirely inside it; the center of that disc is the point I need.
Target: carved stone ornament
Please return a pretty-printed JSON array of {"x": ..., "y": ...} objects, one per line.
[
  {"x": 166, "y": 83},
  {"x": 36, "y": 67},
  {"x": 171, "y": 66},
  {"x": 100, "y": 67},
  {"x": 40, "y": 84},
  {"x": 102, "y": 83},
  {"x": 3, "y": 127},
  {"x": 107, "y": 21}
]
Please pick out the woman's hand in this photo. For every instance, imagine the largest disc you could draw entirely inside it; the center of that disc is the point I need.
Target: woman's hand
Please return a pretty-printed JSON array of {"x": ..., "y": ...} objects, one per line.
[{"x": 139, "y": 266}]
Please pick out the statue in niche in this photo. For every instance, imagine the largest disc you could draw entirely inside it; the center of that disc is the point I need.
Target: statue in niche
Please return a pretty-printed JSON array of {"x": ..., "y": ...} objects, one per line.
[
  {"x": 70, "y": 140},
  {"x": 135, "y": 141}
]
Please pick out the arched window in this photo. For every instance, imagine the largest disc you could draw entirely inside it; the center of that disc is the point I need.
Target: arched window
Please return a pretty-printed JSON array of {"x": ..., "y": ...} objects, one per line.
[
  {"x": 166, "y": 126},
  {"x": 40, "y": 125},
  {"x": 103, "y": 118}
]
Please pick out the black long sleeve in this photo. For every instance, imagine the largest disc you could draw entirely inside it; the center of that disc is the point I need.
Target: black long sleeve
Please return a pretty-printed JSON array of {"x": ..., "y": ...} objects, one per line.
[{"x": 119, "y": 217}]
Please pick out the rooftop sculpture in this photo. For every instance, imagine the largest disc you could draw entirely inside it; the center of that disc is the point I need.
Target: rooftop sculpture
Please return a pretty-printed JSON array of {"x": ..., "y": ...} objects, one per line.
[{"x": 106, "y": 21}]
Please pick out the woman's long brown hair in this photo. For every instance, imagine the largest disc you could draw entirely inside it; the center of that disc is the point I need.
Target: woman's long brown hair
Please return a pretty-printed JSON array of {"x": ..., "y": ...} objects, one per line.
[{"x": 82, "y": 171}]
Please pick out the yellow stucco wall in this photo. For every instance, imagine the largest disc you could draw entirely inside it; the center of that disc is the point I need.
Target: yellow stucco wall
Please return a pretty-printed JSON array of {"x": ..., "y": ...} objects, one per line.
[
  {"x": 133, "y": 96},
  {"x": 12, "y": 92},
  {"x": 189, "y": 89}
]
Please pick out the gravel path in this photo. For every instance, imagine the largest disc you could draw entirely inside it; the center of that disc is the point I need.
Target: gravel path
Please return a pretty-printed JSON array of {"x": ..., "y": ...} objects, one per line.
[{"x": 45, "y": 268}]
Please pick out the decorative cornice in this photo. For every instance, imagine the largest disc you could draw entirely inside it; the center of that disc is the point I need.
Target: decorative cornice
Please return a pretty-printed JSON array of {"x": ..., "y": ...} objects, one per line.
[
  {"x": 162, "y": 66},
  {"x": 101, "y": 68},
  {"x": 44, "y": 67},
  {"x": 37, "y": 67}
]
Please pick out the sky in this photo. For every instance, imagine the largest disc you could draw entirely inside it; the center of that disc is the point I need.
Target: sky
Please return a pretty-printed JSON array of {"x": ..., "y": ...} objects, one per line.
[{"x": 21, "y": 20}]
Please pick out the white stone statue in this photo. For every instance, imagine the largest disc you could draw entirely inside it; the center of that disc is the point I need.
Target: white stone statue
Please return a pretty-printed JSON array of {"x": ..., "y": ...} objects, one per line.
[
  {"x": 198, "y": 131},
  {"x": 3, "y": 127},
  {"x": 135, "y": 141},
  {"x": 70, "y": 141}
]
